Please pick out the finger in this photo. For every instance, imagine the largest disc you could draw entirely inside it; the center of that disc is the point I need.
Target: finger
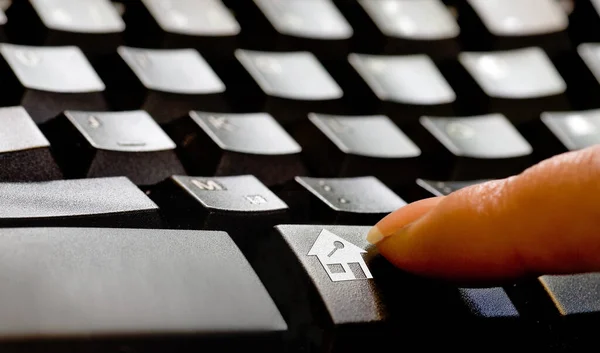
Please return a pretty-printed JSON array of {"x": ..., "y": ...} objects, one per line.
[{"x": 543, "y": 221}]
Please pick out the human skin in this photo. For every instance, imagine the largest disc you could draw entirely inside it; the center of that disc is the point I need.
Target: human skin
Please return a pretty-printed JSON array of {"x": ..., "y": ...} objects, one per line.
[{"x": 545, "y": 220}]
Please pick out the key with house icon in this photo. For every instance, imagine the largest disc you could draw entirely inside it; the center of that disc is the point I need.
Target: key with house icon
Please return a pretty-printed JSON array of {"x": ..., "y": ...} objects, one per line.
[{"x": 337, "y": 245}]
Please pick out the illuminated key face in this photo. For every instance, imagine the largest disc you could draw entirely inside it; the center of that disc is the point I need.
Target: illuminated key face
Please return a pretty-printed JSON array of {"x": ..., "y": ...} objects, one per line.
[
  {"x": 192, "y": 17},
  {"x": 418, "y": 20},
  {"x": 575, "y": 130},
  {"x": 521, "y": 18},
  {"x": 83, "y": 16},
  {"x": 319, "y": 19},
  {"x": 488, "y": 137},
  {"x": 514, "y": 74},
  {"x": 133, "y": 131},
  {"x": 410, "y": 79},
  {"x": 290, "y": 75},
  {"x": 52, "y": 69}
]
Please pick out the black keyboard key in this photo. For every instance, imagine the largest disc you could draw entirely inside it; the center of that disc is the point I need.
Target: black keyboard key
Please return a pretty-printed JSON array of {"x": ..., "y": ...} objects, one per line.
[
  {"x": 520, "y": 83},
  {"x": 167, "y": 83},
  {"x": 115, "y": 287},
  {"x": 347, "y": 146},
  {"x": 361, "y": 200},
  {"x": 94, "y": 26},
  {"x": 233, "y": 144},
  {"x": 103, "y": 202},
  {"x": 511, "y": 24},
  {"x": 331, "y": 280},
  {"x": 103, "y": 144},
  {"x": 312, "y": 25},
  {"x": 206, "y": 25},
  {"x": 404, "y": 27},
  {"x": 574, "y": 295},
  {"x": 402, "y": 87},
  {"x": 24, "y": 151},
  {"x": 48, "y": 80},
  {"x": 240, "y": 205},
  {"x": 445, "y": 188},
  {"x": 289, "y": 85},
  {"x": 476, "y": 147}
]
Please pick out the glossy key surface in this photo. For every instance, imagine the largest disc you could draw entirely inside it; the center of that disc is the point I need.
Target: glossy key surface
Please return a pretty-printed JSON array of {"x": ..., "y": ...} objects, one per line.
[
  {"x": 83, "y": 16},
  {"x": 52, "y": 69},
  {"x": 105, "y": 202},
  {"x": 193, "y": 18},
  {"x": 163, "y": 282},
  {"x": 575, "y": 130}
]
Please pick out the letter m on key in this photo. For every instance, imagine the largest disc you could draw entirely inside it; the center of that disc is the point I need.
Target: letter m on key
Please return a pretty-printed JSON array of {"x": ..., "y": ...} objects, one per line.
[{"x": 209, "y": 185}]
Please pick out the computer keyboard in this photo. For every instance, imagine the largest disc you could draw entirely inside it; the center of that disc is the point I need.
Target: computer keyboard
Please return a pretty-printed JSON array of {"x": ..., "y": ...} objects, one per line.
[{"x": 200, "y": 175}]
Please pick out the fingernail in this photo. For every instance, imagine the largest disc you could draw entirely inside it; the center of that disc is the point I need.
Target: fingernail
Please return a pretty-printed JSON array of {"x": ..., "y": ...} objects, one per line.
[{"x": 375, "y": 236}]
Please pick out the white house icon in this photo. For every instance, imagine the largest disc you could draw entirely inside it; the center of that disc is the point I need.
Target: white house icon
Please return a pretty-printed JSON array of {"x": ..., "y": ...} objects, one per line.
[{"x": 336, "y": 255}]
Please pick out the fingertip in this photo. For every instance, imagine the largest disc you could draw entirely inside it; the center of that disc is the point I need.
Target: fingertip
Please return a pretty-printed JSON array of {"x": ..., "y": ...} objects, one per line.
[{"x": 398, "y": 219}]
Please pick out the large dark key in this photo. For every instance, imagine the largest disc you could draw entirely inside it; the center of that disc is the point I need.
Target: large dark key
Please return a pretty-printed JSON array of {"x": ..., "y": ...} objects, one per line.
[
  {"x": 347, "y": 146},
  {"x": 94, "y": 26},
  {"x": 520, "y": 83},
  {"x": 403, "y": 27},
  {"x": 510, "y": 24},
  {"x": 24, "y": 150},
  {"x": 360, "y": 200},
  {"x": 102, "y": 202},
  {"x": 121, "y": 288},
  {"x": 477, "y": 147},
  {"x": 288, "y": 85},
  {"x": 402, "y": 87},
  {"x": 233, "y": 144},
  {"x": 312, "y": 25},
  {"x": 167, "y": 83},
  {"x": 332, "y": 287},
  {"x": 103, "y": 144},
  {"x": 240, "y": 205},
  {"x": 206, "y": 25},
  {"x": 48, "y": 80}
]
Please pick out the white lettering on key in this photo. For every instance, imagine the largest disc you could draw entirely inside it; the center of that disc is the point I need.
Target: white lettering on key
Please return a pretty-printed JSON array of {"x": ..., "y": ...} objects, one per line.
[{"x": 209, "y": 185}]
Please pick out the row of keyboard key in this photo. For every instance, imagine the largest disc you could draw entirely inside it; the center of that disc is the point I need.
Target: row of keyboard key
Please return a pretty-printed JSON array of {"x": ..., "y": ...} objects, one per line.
[
  {"x": 393, "y": 26},
  {"x": 321, "y": 285},
  {"x": 521, "y": 83}
]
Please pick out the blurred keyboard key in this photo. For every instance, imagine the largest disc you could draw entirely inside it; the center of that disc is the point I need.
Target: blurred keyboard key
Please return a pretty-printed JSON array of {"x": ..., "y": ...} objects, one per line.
[
  {"x": 233, "y": 144},
  {"x": 24, "y": 151},
  {"x": 167, "y": 83},
  {"x": 503, "y": 25},
  {"x": 404, "y": 27},
  {"x": 348, "y": 146},
  {"x": 94, "y": 26},
  {"x": 481, "y": 147},
  {"x": 312, "y": 25},
  {"x": 290, "y": 84},
  {"x": 520, "y": 83},
  {"x": 117, "y": 286},
  {"x": 402, "y": 87},
  {"x": 445, "y": 188},
  {"x": 343, "y": 288},
  {"x": 361, "y": 200},
  {"x": 206, "y": 25},
  {"x": 575, "y": 130},
  {"x": 103, "y": 202},
  {"x": 103, "y": 144},
  {"x": 582, "y": 71},
  {"x": 49, "y": 80},
  {"x": 240, "y": 205}
]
